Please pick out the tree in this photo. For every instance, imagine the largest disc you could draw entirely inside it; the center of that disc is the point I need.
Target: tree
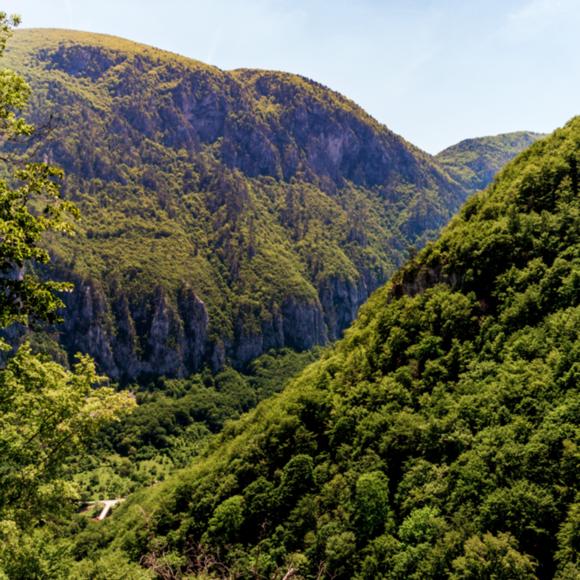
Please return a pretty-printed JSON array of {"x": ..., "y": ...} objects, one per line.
[
  {"x": 372, "y": 503},
  {"x": 47, "y": 412},
  {"x": 493, "y": 557},
  {"x": 30, "y": 205}
]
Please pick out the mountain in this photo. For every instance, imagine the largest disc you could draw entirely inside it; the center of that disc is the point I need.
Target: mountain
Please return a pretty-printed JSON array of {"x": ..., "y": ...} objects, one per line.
[
  {"x": 437, "y": 439},
  {"x": 224, "y": 213},
  {"x": 474, "y": 162}
]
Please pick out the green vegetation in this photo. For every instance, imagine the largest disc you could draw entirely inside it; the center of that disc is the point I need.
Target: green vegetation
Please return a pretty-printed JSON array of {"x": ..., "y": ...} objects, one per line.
[
  {"x": 228, "y": 214},
  {"x": 438, "y": 439},
  {"x": 474, "y": 162},
  {"x": 47, "y": 412},
  {"x": 174, "y": 421}
]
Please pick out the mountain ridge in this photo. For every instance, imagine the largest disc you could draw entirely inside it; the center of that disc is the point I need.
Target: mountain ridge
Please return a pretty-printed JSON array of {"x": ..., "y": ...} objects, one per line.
[{"x": 475, "y": 161}]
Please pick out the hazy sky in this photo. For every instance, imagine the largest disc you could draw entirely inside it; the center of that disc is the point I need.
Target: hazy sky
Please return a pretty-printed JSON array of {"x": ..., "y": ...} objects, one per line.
[{"x": 435, "y": 71}]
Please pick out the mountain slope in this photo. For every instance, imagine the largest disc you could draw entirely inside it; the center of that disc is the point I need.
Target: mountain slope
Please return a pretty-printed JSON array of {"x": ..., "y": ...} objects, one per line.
[
  {"x": 224, "y": 213},
  {"x": 438, "y": 439},
  {"x": 474, "y": 162}
]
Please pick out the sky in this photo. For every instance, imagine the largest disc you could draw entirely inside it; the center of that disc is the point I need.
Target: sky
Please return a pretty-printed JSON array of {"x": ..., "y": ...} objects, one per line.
[{"x": 434, "y": 71}]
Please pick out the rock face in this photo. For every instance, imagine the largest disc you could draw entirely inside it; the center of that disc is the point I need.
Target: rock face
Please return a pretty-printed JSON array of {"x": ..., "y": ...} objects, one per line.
[
  {"x": 157, "y": 338},
  {"x": 90, "y": 329},
  {"x": 340, "y": 300},
  {"x": 127, "y": 341},
  {"x": 297, "y": 324},
  {"x": 224, "y": 213}
]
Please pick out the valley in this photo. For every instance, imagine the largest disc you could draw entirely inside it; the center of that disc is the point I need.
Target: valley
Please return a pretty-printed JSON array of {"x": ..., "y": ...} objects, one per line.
[{"x": 261, "y": 335}]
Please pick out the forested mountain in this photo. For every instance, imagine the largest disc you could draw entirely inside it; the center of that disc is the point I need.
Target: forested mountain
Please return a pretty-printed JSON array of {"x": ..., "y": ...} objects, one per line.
[
  {"x": 474, "y": 162},
  {"x": 224, "y": 213},
  {"x": 437, "y": 439}
]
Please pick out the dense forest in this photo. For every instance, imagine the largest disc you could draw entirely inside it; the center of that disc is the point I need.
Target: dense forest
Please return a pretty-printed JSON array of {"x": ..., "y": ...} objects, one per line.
[{"x": 209, "y": 232}]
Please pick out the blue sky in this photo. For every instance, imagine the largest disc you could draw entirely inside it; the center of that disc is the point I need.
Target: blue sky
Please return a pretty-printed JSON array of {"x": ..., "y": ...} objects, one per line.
[{"x": 435, "y": 71}]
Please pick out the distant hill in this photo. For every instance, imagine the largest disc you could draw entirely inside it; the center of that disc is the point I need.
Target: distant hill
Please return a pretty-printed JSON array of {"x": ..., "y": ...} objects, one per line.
[
  {"x": 474, "y": 162},
  {"x": 224, "y": 213},
  {"x": 437, "y": 440}
]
